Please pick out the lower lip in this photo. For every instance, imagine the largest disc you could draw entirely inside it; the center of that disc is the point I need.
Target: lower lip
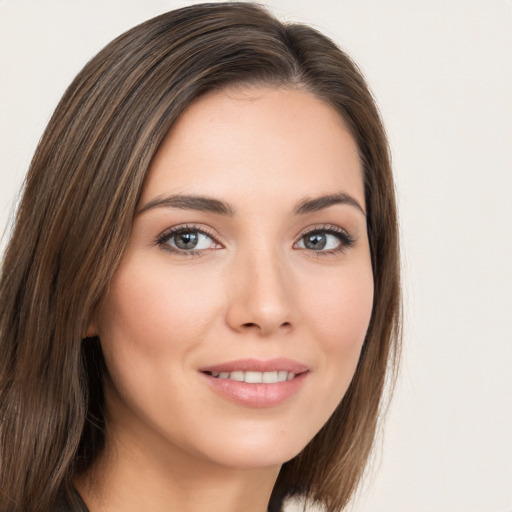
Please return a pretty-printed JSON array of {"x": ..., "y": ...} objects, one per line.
[{"x": 257, "y": 395}]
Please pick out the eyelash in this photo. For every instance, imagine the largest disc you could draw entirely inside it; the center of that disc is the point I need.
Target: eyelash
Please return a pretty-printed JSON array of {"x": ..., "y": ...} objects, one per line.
[
  {"x": 346, "y": 241},
  {"x": 164, "y": 237}
]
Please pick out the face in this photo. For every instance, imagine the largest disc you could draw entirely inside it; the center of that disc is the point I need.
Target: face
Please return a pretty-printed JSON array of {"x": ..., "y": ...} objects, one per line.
[{"x": 233, "y": 326}]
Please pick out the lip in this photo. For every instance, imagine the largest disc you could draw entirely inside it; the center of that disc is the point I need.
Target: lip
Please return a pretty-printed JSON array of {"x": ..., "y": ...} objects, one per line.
[
  {"x": 258, "y": 395},
  {"x": 258, "y": 365}
]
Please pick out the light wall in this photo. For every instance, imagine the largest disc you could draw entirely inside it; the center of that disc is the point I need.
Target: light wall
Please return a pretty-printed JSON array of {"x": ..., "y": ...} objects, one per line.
[{"x": 442, "y": 74}]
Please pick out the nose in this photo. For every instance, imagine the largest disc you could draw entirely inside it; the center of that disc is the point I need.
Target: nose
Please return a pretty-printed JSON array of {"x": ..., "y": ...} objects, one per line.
[{"x": 260, "y": 296}]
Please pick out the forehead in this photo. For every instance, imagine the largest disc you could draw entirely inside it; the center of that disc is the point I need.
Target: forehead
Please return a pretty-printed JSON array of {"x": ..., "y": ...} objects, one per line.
[{"x": 274, "y": 141}]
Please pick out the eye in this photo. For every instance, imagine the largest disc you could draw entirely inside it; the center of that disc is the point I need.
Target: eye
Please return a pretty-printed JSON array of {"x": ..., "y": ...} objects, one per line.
[
  {"x": 186, "y": 240},
  {"x": 328, "y": 240}
]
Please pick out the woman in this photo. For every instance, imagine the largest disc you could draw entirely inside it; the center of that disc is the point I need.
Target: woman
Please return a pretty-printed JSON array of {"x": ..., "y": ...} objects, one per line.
[{"x": 200, "y": 299}]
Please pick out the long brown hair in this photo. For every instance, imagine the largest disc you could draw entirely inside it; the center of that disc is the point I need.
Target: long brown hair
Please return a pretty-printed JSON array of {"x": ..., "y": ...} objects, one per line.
[{"x": 75, "y": 218}]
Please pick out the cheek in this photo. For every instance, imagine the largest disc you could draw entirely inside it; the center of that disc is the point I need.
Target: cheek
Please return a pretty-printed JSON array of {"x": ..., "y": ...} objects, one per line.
[
  {"x": 341, "y": 317},
  {"x": 343, "y": 311},
  {"x": 151, "y": 323},
  {"x": 148, "y": 309}
]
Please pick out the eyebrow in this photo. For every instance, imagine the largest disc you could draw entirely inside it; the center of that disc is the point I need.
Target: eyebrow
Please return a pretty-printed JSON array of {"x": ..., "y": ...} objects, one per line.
[
  {"x": 209, "y": 204},
  {"x": 190, "y": 202},
  {"x": 320, "y": 203}
]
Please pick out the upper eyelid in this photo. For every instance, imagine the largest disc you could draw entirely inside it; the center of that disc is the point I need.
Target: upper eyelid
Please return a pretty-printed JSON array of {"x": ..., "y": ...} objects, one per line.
[
  {"x": 167, "y": 233},
  {"x": 210, "y": 232},
  {"x": 323, "y": 227}
]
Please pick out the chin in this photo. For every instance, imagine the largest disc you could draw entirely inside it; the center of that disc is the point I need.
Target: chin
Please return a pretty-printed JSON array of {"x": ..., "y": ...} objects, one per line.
[{"x": 256, "y": 447}]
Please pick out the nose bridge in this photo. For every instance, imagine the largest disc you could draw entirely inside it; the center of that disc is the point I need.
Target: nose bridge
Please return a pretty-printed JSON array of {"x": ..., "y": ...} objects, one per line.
[{"x": 261, "y": 298}]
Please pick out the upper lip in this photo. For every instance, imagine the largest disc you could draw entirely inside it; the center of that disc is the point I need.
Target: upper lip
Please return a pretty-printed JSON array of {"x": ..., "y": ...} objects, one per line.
[{"x": 258, "y": 365}]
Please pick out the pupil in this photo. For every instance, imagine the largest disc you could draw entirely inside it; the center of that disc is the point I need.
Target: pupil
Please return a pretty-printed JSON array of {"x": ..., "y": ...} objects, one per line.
[
  {"x": 316, "y": 242},
  {"x": 186, "y": 240}
]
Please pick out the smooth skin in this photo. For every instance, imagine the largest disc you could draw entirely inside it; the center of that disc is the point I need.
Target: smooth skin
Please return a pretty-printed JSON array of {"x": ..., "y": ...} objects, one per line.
[{"x": 202, "y": 284}]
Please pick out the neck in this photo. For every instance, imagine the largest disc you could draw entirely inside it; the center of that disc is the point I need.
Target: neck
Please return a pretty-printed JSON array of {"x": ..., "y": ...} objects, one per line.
[{"x": 130, "y": 476}]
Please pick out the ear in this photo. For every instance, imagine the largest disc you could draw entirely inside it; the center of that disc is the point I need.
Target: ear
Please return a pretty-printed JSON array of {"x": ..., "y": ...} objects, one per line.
[
  {"x": 92, "y": 330},
  {"x": 91, "y": 333}
]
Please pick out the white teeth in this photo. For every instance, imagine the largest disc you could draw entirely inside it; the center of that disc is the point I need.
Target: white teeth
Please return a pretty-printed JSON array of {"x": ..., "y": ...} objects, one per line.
[
  {"x": 270, "y": 377},
  {"x": 238, "y": 375},
  {"x": 256, "y": 377},
  {"x": 253, "y": 377}
]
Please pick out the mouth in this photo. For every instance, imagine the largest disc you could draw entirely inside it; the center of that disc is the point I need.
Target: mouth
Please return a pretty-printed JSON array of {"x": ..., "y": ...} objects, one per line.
[
  {"x": 252, "y": 377},
  {"x": 256, "y": 371},
  {"x": 257, "y": 383}
]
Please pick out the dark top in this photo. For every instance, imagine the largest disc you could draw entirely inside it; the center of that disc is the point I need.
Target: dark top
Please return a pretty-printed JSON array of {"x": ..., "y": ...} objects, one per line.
[{"x": 76, "y": 504}]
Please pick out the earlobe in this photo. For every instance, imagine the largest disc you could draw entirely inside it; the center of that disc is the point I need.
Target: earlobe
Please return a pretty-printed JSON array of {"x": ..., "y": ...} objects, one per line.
[{"x": 92, "y": 331}]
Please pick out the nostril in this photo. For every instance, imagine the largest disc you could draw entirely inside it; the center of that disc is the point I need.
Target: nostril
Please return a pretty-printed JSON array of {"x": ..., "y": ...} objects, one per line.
[{"x": 251, "y": 325}]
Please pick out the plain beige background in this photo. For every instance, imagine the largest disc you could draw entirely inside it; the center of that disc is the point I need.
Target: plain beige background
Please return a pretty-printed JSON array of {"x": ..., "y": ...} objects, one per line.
[{"x": 442, "y": 74}]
